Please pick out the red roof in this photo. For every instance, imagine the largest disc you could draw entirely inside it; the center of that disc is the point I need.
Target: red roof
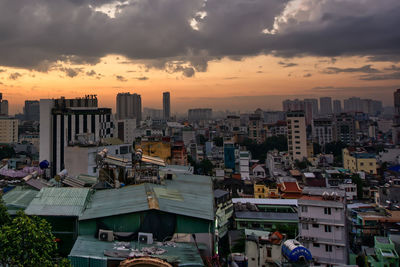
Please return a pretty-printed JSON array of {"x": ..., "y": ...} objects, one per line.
[{"x": 292, "y": 187}]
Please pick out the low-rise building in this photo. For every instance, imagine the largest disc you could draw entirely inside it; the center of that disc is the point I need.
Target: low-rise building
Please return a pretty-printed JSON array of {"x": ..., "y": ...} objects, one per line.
[
  {"x": 359, "y": 160},
  {"x": 322, "y": 225},
  {"x": 384, "y": 253}
]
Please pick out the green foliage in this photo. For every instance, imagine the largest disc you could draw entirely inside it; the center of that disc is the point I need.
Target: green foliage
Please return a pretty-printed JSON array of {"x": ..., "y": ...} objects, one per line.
[
  {"x": 6, "y": 152},
  {"x": 335, "y": 148},
  {"x": 206, "y": 167},
  {"x": 302, "y": 164},
  {"x": 202, "y": 139},
  {"x": 259, "y": 151},
  {"x": 219, "y": 141},
  {"x": 4, "y": 216},
  {"x": 27, "y": 241}
]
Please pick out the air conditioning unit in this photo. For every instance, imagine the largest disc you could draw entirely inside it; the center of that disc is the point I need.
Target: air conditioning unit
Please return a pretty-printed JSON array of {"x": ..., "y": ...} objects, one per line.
[
  {"x": 106, "y": 235},
  {"x": 145, "y": 238}
]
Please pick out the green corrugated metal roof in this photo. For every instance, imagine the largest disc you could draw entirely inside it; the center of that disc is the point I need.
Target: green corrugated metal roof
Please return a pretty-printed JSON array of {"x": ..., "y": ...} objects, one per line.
[
  {"x": 87, "y": 248},
  {"x": 110, "y": 202},
  {"x": 18, "y": 198},
  {"x": 189, "y": 195},
  {"x": 64, "y": 201}
]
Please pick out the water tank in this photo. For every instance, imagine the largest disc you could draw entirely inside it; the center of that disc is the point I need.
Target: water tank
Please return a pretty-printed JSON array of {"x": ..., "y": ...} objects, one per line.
[
  {"x": 44, "y": 164},
  {"x": 294, "y": 251}
]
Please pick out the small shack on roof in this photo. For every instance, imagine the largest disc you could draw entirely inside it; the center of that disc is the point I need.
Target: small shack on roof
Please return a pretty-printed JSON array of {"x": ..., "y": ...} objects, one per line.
[
  {"x": 177, "y": 209},
  {"x": 61, "y": 207}
]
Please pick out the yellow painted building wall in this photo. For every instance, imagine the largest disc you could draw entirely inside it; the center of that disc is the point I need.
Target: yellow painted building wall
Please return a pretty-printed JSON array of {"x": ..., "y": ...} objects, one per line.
[
  {"x": 156, "y": 149},
  {"x": 367, "y": 165},
  {"x": 8, "y": 131},
  {"x": 262, "y": 191}
]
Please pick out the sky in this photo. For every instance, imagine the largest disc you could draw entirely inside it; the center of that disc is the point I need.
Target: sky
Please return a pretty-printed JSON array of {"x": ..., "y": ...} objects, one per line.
[{"x": 223, "y": 54}]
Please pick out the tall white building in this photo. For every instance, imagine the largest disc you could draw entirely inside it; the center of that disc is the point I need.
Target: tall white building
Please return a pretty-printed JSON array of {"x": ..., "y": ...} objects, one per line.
[
  {"x": 129, "y": 106},
  {"x": 199, "y": 114},
  {"x": 322, "y": 225},
  {"x": 297, "y": 135},
  {"x": 244, "y": 162},
  {"x": 65, "y": 122},
  {"x": 126, "y": 130},
  {"x": 166, "y": 105},
  {"x": 325, "y": 105}
]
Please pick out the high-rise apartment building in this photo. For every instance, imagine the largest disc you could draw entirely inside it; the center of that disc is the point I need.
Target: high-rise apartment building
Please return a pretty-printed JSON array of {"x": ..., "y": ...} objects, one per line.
[
  {"x": 166, "y": 105},
  {"x": 305, "y": 106},
  {"x": 344, "y": 129},
  {"x": 256, "y": 130},
  {"x": 199, "y": 114},
  {"x": 325, "y": 105},
  {"x": 368, "y": 106},
  {"x": 66, "y": 122},
  {"x": 314, "y": 105},
  {"x": 32, "y": 110},
  {"x": 337, "y": 106},
  {"x": 322, "y": 225},
  {"x": 297, "y": 134},
  {"x": 8, "y": 130},
  {"x": 129, "y": 106},
  {"x": 323, "y": 131},
  {"x": 3, "y": 106}
]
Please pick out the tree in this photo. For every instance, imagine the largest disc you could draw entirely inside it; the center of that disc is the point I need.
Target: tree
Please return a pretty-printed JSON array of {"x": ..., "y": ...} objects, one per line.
[
  {"x": 6, "y": 152},
  {"x": 27, "y": 241},
  {"x": 219, "y": 141},
  {"x": 206, "y": 167},
  {"x": 355, "y": 178},
  {"x": 4, "y": 216}
]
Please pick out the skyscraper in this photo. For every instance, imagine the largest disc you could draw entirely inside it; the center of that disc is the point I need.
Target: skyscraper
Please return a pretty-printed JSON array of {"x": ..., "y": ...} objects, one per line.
[
  {"x": 32, "y": 110},
  {"x": 337, "y": 106},
  {"x": 3, "y": 106},
  {"x": 325, "y": 107},
  {"x": 166, "y": 105},
  {"x": 314, "y": 104},
  {"x": 129, "y": 106},
  {"x": 397, "y": 102}
]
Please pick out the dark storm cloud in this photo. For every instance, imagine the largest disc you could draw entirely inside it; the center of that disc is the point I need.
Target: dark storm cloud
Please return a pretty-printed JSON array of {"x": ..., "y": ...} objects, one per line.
[
  {"x": 144, "y": 78},
  {"x": 121, "y": 78},
  {"x": 71, "y": 72},
  {"x": 363, "y": 69},
  {"x": 15, "y": 76},
  {"x": 91, "y": 73},
  {"x": 287, "y": 64},
  {"x": 381, "y": 77},
  {"x": 38, "y": 34}
]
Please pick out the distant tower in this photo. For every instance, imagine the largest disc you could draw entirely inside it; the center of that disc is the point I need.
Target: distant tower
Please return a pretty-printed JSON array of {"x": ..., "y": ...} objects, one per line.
[
  {"x": 397, "y": 102},
  {"x": 337, "y": 106},
  {"x": 325, "y": 105},
  {"x": 129, "y": 106},
  {"x": 166, "y": 105},
  {"x": 3, "y": 106}
]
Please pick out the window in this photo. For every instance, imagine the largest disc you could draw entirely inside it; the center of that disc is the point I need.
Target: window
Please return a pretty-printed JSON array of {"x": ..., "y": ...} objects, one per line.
[
  {"x": 315, "y": 245},
  {"x": 315, "y": 225},
  {"x": 304, "y": 226},
  {"x": 328, "y": 228},
  {"x": 304, "y": 209},
  {"x": 362, "y": 163},
  {"x": 370, "y": 164},
  {"x": 269, "y": 252},
  {"x": 328, "y": 248},
  {"x": 327, "y": 211}
]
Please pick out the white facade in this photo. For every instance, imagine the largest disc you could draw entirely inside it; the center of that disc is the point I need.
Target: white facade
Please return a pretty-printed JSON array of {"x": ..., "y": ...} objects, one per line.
[
  {"x": 125, "y": 130},
  {"x": 244, "y": 165},
  {"x": 390, "y": 155},
  {"x": 322, "y": 229},
  {"x": 297, "y": 135},
  {"x": 82, "y": 160}
]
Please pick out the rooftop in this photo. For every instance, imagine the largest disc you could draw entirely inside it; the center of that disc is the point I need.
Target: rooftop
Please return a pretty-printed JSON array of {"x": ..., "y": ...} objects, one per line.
[
  {"x": 64, "y": 201},
  {"x": 88, "y": 247},
  {"x": 267, "y": 216},
  {"x": 266, "y": 201},
  {"x": 18, "y": 198},
  {"x": 188, "y": 195}
]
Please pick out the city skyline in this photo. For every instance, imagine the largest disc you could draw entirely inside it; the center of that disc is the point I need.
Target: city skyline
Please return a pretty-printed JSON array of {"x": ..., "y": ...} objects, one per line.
[{"x": 280, "y": 49}]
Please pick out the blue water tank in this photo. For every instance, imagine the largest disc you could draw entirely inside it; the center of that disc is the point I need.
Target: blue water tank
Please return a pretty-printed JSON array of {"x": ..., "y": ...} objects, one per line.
[
  {"x": 294, "y": 251},
  {"x": 44, "y": 164}
]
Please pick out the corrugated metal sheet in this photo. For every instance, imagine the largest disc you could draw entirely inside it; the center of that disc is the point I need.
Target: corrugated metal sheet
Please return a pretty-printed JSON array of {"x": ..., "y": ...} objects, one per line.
[
  {"x": 19, "y": 198},
  {"x": 65, "y": 201},
  {"x": 89, "y": 250},
  {"x": 112, "y": 202},
  {"x": 189, "y": 195}
]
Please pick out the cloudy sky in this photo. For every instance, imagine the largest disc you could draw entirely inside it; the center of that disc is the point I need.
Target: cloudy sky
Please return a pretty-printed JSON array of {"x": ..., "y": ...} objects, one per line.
[{"x": 225, "y": 54}]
